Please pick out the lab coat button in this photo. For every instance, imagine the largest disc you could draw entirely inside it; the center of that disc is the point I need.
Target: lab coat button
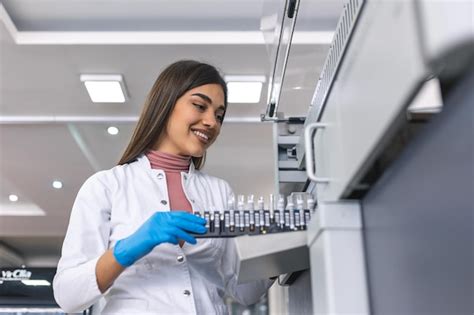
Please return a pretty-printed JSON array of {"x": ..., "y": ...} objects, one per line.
[
  {"x": 185, "y": 176},
  {"x": 192, "y": 200},
  {"x": 160, "y": 176},
  {"x": 187, "y": 292},
  {"x": 164, "y": 202},
  {"x": 180, "y": 258}
]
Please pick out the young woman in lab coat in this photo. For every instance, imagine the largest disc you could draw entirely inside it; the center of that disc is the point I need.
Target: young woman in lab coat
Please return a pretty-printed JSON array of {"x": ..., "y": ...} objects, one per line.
[{"x": 128, "y": 248}]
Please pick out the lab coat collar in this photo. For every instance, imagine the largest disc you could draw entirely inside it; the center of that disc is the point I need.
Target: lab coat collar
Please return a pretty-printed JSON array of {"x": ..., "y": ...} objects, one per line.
[{"x": 145, "y": 163}]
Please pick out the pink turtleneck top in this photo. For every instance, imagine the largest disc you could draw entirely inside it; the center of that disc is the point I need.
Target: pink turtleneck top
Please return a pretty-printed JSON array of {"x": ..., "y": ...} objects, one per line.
[{"x": 173, "y": 165}]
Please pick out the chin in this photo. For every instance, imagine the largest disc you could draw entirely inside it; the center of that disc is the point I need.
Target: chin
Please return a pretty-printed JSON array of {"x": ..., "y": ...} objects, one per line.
[{"x": 197, "y": 152}]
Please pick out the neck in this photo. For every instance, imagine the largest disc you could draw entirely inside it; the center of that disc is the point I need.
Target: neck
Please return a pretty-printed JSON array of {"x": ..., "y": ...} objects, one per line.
[{"x": 168, "y": 162}]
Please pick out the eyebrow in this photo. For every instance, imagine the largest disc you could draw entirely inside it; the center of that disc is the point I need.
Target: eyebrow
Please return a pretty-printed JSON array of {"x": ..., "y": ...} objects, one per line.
[{"x": 207, "y": 99}]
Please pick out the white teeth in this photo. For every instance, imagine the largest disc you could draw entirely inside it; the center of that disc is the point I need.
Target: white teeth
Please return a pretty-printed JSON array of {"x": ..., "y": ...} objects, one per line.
[{"x": 201, "y": 135}]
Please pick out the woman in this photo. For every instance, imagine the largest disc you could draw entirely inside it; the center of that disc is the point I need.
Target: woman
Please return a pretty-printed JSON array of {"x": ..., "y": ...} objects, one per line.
[{"x": 127, "y": 248}]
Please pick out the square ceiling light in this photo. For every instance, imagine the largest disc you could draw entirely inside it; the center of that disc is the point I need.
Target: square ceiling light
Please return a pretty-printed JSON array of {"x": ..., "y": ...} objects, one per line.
[
  {"x": 105, "y": 88},
  {"x": 22, "y": 209},
  {"x": 244, "y": 88}
]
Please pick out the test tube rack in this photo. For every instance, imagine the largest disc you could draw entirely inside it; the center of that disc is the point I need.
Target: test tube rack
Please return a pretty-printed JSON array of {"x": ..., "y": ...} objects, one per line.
[{"x": 246, "y": 220}]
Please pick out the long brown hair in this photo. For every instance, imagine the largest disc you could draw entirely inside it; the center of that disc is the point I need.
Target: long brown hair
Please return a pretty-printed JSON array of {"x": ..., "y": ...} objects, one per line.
[{"x": 172, "y": 83}]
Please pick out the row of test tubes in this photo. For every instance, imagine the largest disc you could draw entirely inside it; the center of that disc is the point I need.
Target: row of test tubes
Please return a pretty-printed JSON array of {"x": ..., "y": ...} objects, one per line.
[{"x": 242, "y": 217}]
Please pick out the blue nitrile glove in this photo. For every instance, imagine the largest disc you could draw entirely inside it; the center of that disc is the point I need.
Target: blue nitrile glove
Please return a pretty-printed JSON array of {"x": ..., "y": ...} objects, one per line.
[{"x": 161, "y": 227}]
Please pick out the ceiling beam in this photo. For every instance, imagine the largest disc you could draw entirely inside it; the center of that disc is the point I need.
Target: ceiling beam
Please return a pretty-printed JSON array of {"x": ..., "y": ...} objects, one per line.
[
  {"x": 152, "y": 37},
  {"x": 163, "y": 38},
  {"x": 81, "y": 143}
]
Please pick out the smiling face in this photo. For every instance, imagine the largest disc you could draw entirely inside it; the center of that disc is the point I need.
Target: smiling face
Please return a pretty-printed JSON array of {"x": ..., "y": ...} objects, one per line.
[{"x": 194, "y": 123}]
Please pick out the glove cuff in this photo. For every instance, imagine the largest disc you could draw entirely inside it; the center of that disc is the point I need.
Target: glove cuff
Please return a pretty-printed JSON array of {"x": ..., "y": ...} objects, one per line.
[{"x": 121, "y": 255}]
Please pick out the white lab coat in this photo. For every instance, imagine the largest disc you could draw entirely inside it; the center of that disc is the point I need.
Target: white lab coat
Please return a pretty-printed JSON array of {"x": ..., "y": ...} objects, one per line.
[{"x": 110, "y": 206}]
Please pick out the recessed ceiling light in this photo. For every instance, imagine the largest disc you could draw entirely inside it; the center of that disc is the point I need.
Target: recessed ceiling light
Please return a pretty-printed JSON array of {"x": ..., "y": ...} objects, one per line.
[
  {"x": 57, "y": 184},
  {"x": 36, "y": 282},
  {"x": 113, "y": 130},
  {"x": 297, "y": 88},
  {"x": 20, "y": 209},
  {"x": 244, "y": 89},
  {"x": 13, "y": 198},
  {"x": 105, "y": 88}
]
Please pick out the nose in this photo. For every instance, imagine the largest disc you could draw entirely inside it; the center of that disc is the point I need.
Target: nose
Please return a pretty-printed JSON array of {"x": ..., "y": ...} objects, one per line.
[{"x": 210, "y": 120}]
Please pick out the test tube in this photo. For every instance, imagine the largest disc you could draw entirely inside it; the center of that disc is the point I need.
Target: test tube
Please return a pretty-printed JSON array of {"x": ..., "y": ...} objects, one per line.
[
  {"x": 217, "y": 220},
  {"x": 237, "y": 220},
  {"x": 311, "y": 203},
  {"x": 261, "y": 205},
  {"x": 266, "y": 214},
  {"x": 289, "y": 213},
  {"x": 271, "y": 207},
  {"x": 299, "y": 212},
  {"x": 250, "y": 208},
  {"x": 310, "y": 209},
  {"x": 231, "y": 206},
  {"x": 267, "y": 218},
  {"x": 240, "y": 207},
  {"x": 226, "y": 226},
  {"x": 281, "y": 209},
  {"x": 207, "y": 217},
  {"x": 261, "y": 210},
  {"x": 212, "y": 219}
]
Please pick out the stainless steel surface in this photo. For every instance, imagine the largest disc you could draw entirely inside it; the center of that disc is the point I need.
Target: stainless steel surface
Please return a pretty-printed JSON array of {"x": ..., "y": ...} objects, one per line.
[{"x": 265, "y": 256}]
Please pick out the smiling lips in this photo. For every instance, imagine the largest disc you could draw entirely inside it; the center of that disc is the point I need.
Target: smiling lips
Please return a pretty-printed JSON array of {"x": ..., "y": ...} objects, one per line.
[{"x": 201, "y": 136}]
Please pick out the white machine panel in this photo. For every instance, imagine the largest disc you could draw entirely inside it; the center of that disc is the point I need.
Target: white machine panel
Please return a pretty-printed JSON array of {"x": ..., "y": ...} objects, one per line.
[
  {"x": 364, "y": 88},
  {"x": 265, "y": 256},
  {"x": 337, "y": 260}
]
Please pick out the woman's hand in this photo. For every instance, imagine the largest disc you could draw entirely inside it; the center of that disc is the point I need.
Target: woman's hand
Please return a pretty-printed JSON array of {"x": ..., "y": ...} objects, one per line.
[{"x": 161, "y": 227}]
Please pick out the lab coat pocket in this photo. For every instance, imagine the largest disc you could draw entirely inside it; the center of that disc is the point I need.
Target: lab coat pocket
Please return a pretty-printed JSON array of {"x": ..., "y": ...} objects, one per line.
[{"x": 125, "y": 306}]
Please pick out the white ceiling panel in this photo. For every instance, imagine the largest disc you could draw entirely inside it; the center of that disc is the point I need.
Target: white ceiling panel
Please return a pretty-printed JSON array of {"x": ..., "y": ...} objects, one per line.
[{"x": 124, "y": 15}]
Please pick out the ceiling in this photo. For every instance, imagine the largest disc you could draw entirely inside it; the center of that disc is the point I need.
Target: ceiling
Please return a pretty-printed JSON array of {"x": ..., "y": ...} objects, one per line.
[{"x": 49, "y": 128}]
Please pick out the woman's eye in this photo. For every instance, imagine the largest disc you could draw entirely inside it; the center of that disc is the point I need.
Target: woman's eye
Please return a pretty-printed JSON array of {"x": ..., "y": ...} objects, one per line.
[
  {"x": 199, "y": 106},
  {"x": 220, "y": 118}
]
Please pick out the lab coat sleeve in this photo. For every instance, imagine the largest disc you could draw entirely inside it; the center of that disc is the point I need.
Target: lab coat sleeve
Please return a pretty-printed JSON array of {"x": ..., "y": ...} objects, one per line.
[
  {"x": 75, "y": 285},
  {"x": 244, "y": 293}
]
